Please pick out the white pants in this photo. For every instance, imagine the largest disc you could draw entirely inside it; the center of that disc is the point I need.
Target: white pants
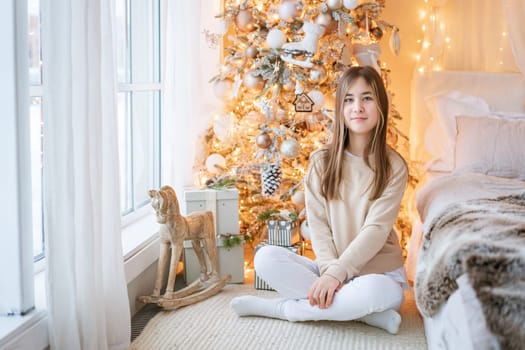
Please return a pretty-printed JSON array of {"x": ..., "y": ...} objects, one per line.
[{"x": 291, "y": 275}]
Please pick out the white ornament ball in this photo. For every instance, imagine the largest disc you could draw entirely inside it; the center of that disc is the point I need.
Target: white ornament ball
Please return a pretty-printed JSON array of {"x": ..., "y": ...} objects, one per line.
[
  {"x": 287, "y": 10},
  {"x": 251, "y": 52},
  {"x": 276, "y": 38},
  {"x": 350, "y": 4},
  {"x": 318, "y": 98},
  {"x": 298, "y": 198},
  {"x": 223, "y": 126},
  {"x": 222, "y": 89},
  {"x": 305, "y": 230},
  {"x": 244, "y": 21},
  {"x": 318, "y": 74},
  {"x": 326, "y": 21},
  {"x": 214, "y": 163},
  {"x": 253, "y": 82},
  {"x": 290, "y": 148},
  {"x": 334, "y": 4}
]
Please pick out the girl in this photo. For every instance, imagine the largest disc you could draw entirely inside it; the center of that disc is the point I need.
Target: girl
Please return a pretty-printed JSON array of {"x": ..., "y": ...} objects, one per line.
[{"x": 353, "y": 187}]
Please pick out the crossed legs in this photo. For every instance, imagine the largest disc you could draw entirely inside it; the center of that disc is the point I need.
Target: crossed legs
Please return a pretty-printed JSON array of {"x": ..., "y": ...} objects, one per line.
[{"x": 372, "y": 299}]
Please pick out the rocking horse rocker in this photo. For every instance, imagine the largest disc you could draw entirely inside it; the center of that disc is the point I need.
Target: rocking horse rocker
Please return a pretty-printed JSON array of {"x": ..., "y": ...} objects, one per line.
[{"x": 174, "y": 230}]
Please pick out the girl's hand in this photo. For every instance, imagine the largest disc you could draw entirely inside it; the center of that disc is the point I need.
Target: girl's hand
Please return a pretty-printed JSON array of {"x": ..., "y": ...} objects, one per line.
[{"x": 322, "y": 291}]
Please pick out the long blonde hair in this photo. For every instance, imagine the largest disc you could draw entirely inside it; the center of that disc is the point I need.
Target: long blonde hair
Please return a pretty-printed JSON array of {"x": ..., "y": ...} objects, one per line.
[{"x": 334, "y": 152}]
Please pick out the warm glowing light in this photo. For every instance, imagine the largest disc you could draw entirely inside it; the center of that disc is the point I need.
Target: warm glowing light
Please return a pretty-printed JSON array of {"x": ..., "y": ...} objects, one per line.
[
  {"x": 426, "y": 44},
  {"x": 245, "y": 158}
]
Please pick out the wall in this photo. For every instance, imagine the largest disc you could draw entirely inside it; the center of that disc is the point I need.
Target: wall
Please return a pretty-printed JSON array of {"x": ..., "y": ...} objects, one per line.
[{"x": 405, "y": 15}]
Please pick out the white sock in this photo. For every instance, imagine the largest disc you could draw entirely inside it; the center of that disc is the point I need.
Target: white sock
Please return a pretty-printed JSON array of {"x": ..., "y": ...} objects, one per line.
[
  {"x": 250, "y": 305},
  {"x": 388, "y": 320}
]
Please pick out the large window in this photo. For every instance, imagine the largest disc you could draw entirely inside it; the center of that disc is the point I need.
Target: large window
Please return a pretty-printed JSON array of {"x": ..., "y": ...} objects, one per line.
[
  {"x": 36, "y": 122},
  {"x": 138, "y": 99},
  {"x": 138, "y": 44}
]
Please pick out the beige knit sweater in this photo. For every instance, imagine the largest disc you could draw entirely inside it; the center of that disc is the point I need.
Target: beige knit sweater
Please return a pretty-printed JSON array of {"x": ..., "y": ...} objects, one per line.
[{"x": 354, "y": 236}]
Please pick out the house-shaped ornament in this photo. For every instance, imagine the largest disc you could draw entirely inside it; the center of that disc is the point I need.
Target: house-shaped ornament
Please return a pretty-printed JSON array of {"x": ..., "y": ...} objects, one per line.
[{"x": 303, "y": 103}]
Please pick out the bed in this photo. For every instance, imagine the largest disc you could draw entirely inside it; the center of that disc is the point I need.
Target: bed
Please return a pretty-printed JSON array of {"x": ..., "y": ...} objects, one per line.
[{"x": 466, "y": 256}]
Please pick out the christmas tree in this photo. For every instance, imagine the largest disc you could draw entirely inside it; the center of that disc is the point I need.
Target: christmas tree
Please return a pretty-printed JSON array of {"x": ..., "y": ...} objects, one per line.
[{"x": 282, "y": 60}]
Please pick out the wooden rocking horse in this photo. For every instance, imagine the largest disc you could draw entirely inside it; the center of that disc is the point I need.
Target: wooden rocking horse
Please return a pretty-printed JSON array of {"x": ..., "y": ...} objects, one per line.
[{"x": 174, "y": 230}]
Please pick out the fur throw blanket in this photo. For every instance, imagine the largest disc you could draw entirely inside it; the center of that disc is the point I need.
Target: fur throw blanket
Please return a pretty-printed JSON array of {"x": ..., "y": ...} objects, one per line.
[{"x": 484, "y": 239}]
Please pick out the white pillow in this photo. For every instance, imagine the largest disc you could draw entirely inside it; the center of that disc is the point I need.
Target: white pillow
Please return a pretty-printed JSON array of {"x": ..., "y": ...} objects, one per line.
[
  {"x": 441, "y": 135},
  {"x": 491, "y": 145}
]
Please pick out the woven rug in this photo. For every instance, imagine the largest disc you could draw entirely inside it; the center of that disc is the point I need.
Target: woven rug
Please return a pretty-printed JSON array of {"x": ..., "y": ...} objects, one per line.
[{"x": 212, "y": 324}]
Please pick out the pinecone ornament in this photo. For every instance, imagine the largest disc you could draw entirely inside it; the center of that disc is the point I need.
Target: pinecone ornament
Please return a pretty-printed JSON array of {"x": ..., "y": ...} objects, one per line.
[{"x": 271, "y": 179}]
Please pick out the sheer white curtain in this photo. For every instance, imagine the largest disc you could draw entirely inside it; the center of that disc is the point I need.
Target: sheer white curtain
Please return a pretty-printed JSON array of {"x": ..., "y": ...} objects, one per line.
[
  {"x": 87, "y": 296},
  {"x": 484, "y": 35},
  {"x": 181, "y": 91},
  {"x": 188, "y": 98},
  {"x": 514, "y": 11}
]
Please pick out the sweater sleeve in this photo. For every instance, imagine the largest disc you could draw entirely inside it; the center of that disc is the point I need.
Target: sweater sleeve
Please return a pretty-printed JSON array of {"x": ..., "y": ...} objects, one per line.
[
  {"x": 316, "y": 212},
  {"x": 376, "y": 228}
]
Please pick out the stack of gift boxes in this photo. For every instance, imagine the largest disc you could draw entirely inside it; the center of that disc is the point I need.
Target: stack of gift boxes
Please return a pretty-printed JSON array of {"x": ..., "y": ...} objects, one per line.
[
  {"x": 284, "y": 233},
  {"x": 224, "y": 204}
]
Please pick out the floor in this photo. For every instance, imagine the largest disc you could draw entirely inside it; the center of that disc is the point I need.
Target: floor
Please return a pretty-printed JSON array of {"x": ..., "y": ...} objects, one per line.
[{"x": 141, "y": 318}]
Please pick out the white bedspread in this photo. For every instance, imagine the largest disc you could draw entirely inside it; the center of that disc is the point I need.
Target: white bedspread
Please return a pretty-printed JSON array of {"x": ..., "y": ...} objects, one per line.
[
  {"x": 453, "y": 324},
  {"x": 441, "y": 191}
]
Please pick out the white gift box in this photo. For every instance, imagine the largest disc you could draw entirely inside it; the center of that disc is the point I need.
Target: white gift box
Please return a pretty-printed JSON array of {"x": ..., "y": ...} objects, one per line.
[
  {"x": 231, "y": 261},
  {"x": 224, "y": 204}
]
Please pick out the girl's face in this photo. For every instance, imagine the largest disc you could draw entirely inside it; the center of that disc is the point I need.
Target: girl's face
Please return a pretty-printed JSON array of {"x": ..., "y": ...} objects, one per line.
[{"x": 360, "y": 109}]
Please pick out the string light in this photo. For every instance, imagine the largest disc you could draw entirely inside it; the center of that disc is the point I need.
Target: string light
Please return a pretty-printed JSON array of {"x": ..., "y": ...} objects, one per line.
[
  {"x": 432, "y": 50},
  {"x": 271, "y": 108}
]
